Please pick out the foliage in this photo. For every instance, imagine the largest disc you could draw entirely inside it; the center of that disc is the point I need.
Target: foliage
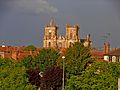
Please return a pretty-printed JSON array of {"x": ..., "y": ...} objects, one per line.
[
  {"x": 6, "y": 63},
  {"x": 13, "y": 76},
  {"x": 24, "y": 76},
  {"x": 98, "y": 76},
  {"x": 46, "y": 58},
  {"x": 28, "y": 62},
  {"x": 52, "y": 78},
  {"x": 33, "y": 75},
  {"x": 73, "y": 83},
  {"x": 44, "y": 61},
  {"x": 30, "y": 48},
  {"x": 77, "y": 59}
]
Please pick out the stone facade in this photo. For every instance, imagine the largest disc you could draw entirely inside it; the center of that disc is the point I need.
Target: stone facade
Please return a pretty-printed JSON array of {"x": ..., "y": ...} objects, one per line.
[{"x": 52, "y": 40}]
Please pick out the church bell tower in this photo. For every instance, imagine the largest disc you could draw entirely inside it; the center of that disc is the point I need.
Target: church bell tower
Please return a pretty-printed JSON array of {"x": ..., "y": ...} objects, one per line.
[
  {"x": 72, "y": 35},
  {"x": 50, "y": 35}
]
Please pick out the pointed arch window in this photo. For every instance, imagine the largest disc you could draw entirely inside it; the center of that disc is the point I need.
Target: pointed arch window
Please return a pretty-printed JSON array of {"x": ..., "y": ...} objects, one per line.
[
  {"x": 60, "y": 45},
  {"x": 70, "y": 35},
  {"x": 49, "y": 44},
  {"x": 50, "y": 34},
  {"x": 70, "y": 44}
]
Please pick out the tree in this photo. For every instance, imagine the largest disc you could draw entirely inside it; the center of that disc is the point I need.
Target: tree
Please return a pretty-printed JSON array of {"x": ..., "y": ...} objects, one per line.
[
  {"x": 86, "y": 74},
  {"x": 30, "y": 48},
  {"x": 33, "y": 76},
  {"x": 52, "y": 78},
  {"x": 97, "y": 76},
  {"x": 73, "y": 83},
  {"x": 13, "y": 76},
  {"x": 46, "y": 58},
  {"x": 28, "y": 62},
  {"x": 6, "y": 63},
  {"x": 101, "y": 75},
  {"x": 77, "y": 58}
]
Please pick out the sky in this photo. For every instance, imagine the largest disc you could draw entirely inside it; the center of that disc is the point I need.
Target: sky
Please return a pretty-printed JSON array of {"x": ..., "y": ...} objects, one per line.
[{"x": 22, "y": 21}]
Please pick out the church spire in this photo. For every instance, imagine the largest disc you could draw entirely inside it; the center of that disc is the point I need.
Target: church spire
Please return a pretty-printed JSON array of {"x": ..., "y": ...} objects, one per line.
[{"x": 52, "y": 23}]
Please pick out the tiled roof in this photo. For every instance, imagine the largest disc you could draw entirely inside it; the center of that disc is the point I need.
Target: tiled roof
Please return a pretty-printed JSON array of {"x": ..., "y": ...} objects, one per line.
[
  {"x": 17, "y": 52},
  {"x": 97, "y": 53},
  {"x": 115, "y": 52}
]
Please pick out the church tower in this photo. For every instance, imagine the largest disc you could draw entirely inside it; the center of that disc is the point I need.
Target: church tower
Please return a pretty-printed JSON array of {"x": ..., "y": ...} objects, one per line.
[
  {"x": 72, "y": 35},
  {"x": 50, "y": 35},
  {"x": 87, "y": 42}
]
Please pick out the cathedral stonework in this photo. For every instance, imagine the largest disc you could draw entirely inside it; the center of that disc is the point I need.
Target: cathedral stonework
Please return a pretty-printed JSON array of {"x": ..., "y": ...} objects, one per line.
[{"x": 52, "y": 40}]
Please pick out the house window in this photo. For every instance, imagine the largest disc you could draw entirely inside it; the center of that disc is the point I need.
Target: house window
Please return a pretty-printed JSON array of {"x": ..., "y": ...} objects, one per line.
[
  {"x": 118, "y": 58},
  {"x": 106, "y": 58},
  {"x": 113, "y": 58},
  {"x": 110, "y": 58}
]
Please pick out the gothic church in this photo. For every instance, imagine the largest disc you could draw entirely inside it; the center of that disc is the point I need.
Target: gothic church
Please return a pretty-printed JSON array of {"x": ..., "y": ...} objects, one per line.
[{"x": 52, "y": 40}]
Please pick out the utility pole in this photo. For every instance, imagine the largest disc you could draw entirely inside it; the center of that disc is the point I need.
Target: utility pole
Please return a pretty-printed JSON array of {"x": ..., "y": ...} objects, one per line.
[
  {"x": 63, "y": 57},
  {"x": 41, "y": 75}
]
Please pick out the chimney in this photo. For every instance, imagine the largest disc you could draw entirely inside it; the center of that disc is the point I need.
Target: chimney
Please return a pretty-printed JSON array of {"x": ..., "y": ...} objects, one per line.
[{"x": 106, "y": 47}]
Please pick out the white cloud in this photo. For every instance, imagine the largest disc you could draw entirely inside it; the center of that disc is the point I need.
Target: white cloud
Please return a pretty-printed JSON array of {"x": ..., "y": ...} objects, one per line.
[{"x": 34, "y": 6}]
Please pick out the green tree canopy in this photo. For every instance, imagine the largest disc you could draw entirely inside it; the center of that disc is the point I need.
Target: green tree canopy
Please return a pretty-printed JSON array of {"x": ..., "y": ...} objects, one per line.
[
  {"x": 46, "y": 58},
  {"x": 30, "y": 48},
  {"x": 28, "y": 62},
  {"x": 98, "y": 76},
  {"x": 77, "y": 58},
  {"x": 13, "y": 76}
]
